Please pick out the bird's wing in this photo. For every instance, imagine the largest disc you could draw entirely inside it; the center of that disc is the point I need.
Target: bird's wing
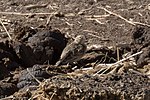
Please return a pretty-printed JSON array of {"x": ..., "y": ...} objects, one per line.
[
  {"x": 67, "y": 51},
  {"x": 71, "y": 52}
]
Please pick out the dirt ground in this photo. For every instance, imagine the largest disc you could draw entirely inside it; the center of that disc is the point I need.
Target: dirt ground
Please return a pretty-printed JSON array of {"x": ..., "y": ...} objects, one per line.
[
  {"x": 74, "y": 17},
  {"x": 40, "y": 29}
]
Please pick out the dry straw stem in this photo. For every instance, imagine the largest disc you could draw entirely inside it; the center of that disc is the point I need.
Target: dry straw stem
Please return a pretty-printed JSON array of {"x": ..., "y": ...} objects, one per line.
[
  {"x": 118, "y": 58},
  {"x": 96, "y": 20},
  {"x": 8, "y": 98},
  {"x": 33, "y": 76},
  {"x": 52, "y": 96},
  {"x": 5, "y": 29},
  {"x": 29, "y": 14},
  {"x": 139, "y": 73},
  {"x": 120, "y": 61},
  {"x": 24, "y": 14},
  {"x": 49, "y": 18},
  {"x": 130, "y": 22},
  {"x": 83, "y": 10},
  {"x": 35, "y": 6},
  {"x": 97, "y": 16},
  {"x": 89, "y": 33},
  {"x": 134, "y": 71}
]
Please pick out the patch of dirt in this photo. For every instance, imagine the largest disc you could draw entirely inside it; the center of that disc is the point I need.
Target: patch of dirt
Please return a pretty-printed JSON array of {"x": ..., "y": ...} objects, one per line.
[
  {"x": 141, "y": 42},
  {"x": 38, "y": 47},
  {"x": 7, "y": 89},
  {"x": 112, "y": 87},
  {"x": 78, "y": 17},
  {"x": 40, "y": 30}
]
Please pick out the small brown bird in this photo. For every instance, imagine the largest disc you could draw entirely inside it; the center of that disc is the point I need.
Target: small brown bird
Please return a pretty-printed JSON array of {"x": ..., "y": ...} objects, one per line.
[{"x": 73, "y": 51}]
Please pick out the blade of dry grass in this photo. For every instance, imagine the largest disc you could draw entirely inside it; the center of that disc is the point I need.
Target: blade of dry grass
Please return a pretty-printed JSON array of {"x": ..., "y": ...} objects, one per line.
[
  {"x": 120, "y": 61},
  {"x": 130, "y": 22},
  {"x": 5, "y": 29},
  {"x": 24, "y": 14},
  {"x": 33, "y": 76}
]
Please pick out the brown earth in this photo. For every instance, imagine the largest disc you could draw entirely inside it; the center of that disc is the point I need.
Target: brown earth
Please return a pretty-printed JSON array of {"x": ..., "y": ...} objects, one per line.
[
  {"x": 41, "y": 29},
  {"x": 74, "y": 17}
]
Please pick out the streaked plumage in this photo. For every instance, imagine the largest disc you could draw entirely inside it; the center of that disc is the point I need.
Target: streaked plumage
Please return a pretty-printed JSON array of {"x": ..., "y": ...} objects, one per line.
[{"x": 73, "y": 51}]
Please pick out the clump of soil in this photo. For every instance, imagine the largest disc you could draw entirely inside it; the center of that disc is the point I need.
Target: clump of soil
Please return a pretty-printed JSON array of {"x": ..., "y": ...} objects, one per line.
[
  {"x": 7, "y": 58},
  {"x": 39, "y": 28},
  {"x": 47, "y": 46},
  {"x": 33, "y": 46},
  {"x": 55, "y": 82},
  {"x": 7, "y": 89},
  {"x": 26, "y": 79},
  {"x": 28, "y": 48},
  {"x": 141, "y": 42},
  {"x": 114, "y": 87}
]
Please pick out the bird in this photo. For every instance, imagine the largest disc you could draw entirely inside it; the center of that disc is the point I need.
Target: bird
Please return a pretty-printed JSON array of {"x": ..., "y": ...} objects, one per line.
[{"x": 73, "y": 52}]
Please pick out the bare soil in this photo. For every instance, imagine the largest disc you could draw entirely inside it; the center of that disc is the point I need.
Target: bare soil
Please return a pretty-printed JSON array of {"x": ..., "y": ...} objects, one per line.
[{"x": 40, "y": 30}]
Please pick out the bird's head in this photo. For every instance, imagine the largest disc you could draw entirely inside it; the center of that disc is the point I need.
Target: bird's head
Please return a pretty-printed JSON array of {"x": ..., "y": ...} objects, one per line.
[{"x": 80, "y": 39}]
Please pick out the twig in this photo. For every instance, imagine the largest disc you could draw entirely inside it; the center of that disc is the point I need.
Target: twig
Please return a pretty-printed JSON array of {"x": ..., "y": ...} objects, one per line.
[
  {"x": 118, "y": 57},
  {"x": 120, "y": 62},
  {"x": 112, "y": 13},
  {"x": 95, "y": 19},
  {"x": 49, "y": 18},
  {"x": 107, "y": 65},
  {"x": 99, "y": 21},
  {"x": 5, "y": 29},
  {"x": 8, "y": 98},
  {"x": 136, "y": 72},
  {"x": 29, "y": 14},
  {"x": 142, "y": 24},
  {"x": 52, "y": 96},
  {"x": 102, "y": 39},
  {"x": 33, "y": 76},
  {"x": 83, "y": 10},
  {"x": 127, "y": 58},
  {"x": 89, "y": 68},
  {"x": 24, "y": 14},
  {"x": 130, "y": 22},
  {"x": 97, "y": 16},
  {"x": 95, "y": 0},
  {"x": 28, "y": 7},
  {"x": 139, "y": 73}
]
